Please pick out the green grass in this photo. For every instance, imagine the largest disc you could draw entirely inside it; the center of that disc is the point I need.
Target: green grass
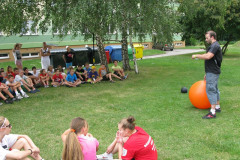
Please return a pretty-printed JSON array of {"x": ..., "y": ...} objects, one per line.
[
  {"x": 153, "y": 97},
  {"x": 150, "y": 52}
]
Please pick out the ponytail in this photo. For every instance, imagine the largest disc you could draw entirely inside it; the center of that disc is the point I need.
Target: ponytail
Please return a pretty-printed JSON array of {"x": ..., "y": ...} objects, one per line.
[
  {"x": 128, "y": 123},
  {"x": 72, "y": 149}
]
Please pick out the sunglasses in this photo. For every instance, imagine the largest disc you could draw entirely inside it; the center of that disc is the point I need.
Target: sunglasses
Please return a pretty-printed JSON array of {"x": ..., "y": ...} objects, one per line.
[{"x": 8, "y": 126}]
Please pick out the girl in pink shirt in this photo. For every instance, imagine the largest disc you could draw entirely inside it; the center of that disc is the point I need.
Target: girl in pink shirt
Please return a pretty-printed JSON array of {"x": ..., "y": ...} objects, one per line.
[{"x": 78, "y": 133}]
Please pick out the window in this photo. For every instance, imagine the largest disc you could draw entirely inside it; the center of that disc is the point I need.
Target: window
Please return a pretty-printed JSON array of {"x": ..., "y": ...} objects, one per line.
[
  {"x": 30, "y": 55},
  {"x": 145, "y": 45},
  {"x": 27, "y": 30},
  {"x": 4, "y": 55}
]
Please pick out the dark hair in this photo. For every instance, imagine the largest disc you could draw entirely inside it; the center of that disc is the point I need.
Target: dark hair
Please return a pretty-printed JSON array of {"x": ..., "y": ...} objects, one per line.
[
  {"x": 10, "y": 76},
  {"x": 56, "y": 69},
  {"x": 115, "y": 61},
  {"x": 25, "y": 68},
  {"x": 128, "y": 123},
  {"x": 34, "y": 68},
  {"x": 8, "y": 67},
  {"x": 15, "y": 69},
  {"x": 41, "y": 71},
  {"x": 212, "y": 34}
]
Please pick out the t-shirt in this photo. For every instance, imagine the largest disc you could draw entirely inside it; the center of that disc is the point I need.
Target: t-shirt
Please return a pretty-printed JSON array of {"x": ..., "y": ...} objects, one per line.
[
  {"x": 18, "y": 78},
  {"x": 139, "y": 146},
  {"x": 89, "y": 146},
  {"x": 10, "y": 73},
  {"x": 7, "y": 142},
  {"x": 17, "y": 55},
  {"x": 57, "y": 78},
  {"x": 28, "y": 74},
  {"x": 213, "y": 65},
  {"x": 43, "y": 75},
  {"x": 68, "y": 56},
  {"x": 115, "y": 67},
  {"x": 45, "y": 51},
  {"x": 102, "y": 72},
  {"x": 71, "y": 78},
  {"x": 35, "y": 74},
  {"x": 87, "y": 69},
  {"x": 93, "y": 75},
  {"x": 79, "y": 71},
  {"x": 7, "y": 82}
]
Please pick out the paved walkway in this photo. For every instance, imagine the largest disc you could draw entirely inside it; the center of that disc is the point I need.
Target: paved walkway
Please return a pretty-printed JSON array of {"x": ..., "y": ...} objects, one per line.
[{"x": 174, "y": 53}]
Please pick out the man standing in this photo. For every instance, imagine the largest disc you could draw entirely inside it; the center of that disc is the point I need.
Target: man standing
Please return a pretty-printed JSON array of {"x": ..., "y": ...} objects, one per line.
[
  {"x": 68, "y": 57},
  {"x": 45, "y": 56},
  {"x": 213, "y": 60}
]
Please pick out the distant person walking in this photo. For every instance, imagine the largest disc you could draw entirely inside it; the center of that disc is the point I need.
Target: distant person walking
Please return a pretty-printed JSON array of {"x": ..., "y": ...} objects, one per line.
[
  {"x": 213, "y": 60},
  {"x": 17, "y": 55},
  {"x": 68, "y": 57},
  {"x": 45, "y": 56}
]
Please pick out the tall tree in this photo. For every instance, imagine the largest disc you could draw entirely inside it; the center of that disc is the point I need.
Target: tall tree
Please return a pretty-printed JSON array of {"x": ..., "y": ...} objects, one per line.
[{"x": 199, "y": 16}]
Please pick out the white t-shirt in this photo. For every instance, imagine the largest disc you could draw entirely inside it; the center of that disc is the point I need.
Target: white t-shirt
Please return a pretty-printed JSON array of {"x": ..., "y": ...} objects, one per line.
[
  {"x": 18, "y": 78},
  {"x": 7, "y": 142},
  {"x": 35, "y": 74},
  {"x": 45, "y": 52},
  {"x": 10, "y": 82}
]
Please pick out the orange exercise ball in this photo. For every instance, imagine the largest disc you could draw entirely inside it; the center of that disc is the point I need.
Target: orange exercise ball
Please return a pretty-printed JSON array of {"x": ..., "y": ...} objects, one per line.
[{"x": 198, "y": 95}]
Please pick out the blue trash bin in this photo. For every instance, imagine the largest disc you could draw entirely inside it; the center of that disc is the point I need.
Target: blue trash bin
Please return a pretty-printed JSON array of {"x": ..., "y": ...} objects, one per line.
[{"x": 115, "y": 52}]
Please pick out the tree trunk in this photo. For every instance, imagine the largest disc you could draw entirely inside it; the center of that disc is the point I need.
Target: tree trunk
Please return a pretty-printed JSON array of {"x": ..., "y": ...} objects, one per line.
[
  {"x": 125, "y": 58},
  {"x": 134, "y": 56},
  {"x": 224, "y": 48},
  {"x": 101, "y": 51}
]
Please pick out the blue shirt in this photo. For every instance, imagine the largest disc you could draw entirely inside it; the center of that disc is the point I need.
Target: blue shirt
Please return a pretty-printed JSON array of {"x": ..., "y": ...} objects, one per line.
[
  {"x": 88, "y": 70},
  {"x": 71, "y": 78},
  {"x": 93, "y": 75}
]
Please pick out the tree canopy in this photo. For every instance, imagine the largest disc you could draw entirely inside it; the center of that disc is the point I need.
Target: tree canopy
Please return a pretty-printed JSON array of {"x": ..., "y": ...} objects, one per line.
[{"x": 198, "y": 16}]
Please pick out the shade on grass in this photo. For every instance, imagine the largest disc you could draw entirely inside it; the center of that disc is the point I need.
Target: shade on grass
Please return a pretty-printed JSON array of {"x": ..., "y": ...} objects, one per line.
[{"x": 153, "y": 97}]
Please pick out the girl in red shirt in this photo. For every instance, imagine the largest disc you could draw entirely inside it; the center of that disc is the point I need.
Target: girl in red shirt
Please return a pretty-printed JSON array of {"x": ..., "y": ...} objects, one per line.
[
  {"x": 44, "y": 78},
  {"x": 9, "y": 72},
  {"x": 131, "y": 142}
]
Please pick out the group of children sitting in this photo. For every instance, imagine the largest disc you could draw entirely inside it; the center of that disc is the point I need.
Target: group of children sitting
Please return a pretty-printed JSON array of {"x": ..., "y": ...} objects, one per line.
[{"x": 17, "y": 83}]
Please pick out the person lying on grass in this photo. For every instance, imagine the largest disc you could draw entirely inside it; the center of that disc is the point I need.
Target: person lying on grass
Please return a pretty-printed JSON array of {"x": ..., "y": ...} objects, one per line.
[
  {"x": 71, "y": 79},
  {"x": 14, "y": 87},
  {"x": 131, "y": 142},
  {"x": 78, "y": 143},
  {"x": 57, "y": 79},
  {"x": 106, "y": 76},
  {"x": 117, "y": 70},
  {"x": 13, "y": 146}
]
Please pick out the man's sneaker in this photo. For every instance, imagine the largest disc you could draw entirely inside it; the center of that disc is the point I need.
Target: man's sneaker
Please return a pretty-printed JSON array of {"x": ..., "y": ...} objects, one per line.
[
  {"x": 54, "y": 85},
  {"x": 105, "y": 156},
  {"x": 126, "y": 76},
  {"x": 1, "y": 103},
  {"x": 209, "y": 116},
  {"x": 15, "y": 99},
  {"x": 8, "y": 101},
  {"x": 32, "y": 91},
  {"x": 37, "y": 90},
  {"x": 25, "y": 95},
  {"x": 18, "y": 96},
  {"x": 218, "y": 109}
]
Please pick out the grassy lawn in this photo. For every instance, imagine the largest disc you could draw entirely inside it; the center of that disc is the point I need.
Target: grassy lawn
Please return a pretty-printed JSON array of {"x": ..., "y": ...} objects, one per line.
[
  {"x": 150, "y": 52},
  {"x": 153, "y": 97}
]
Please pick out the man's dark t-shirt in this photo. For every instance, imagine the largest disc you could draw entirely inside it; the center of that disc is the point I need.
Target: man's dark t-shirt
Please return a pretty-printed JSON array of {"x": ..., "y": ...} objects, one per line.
[
  {"x": 28, "y": 74},
  {"x": 213, "y": 65},
  {"x": 68, "y": 56}
]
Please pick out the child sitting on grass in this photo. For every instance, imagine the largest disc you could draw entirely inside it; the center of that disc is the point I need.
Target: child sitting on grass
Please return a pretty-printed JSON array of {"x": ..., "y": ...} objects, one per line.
[
  {"x": 77, "y": 137},
  {"x": 10, "y": 71},
  {"x": 4, "y": 88},
  {"x": 106, "y": 76},
  {"x": 117, "y": 70},
  {"x": 25, "y": 82},
  {"x": 15, "y": 86},
  {"x": 57, "y": 79},
  {"x": 44, "y": 78},
  {"x": 81, "y": 73},
  {"x": 62, "y": 72},
  {"x": 87, "y": 67},
  {"x": 50, "y": 72},
  {"x": 72, "y": 80},
  {"x": 93, "y": 76}
]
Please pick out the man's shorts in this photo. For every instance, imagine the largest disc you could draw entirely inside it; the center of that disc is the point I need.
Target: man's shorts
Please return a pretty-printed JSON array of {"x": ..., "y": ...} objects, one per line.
[
  {"x": 105, "y": 78},
  {"x": 116, "y": 73}
]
